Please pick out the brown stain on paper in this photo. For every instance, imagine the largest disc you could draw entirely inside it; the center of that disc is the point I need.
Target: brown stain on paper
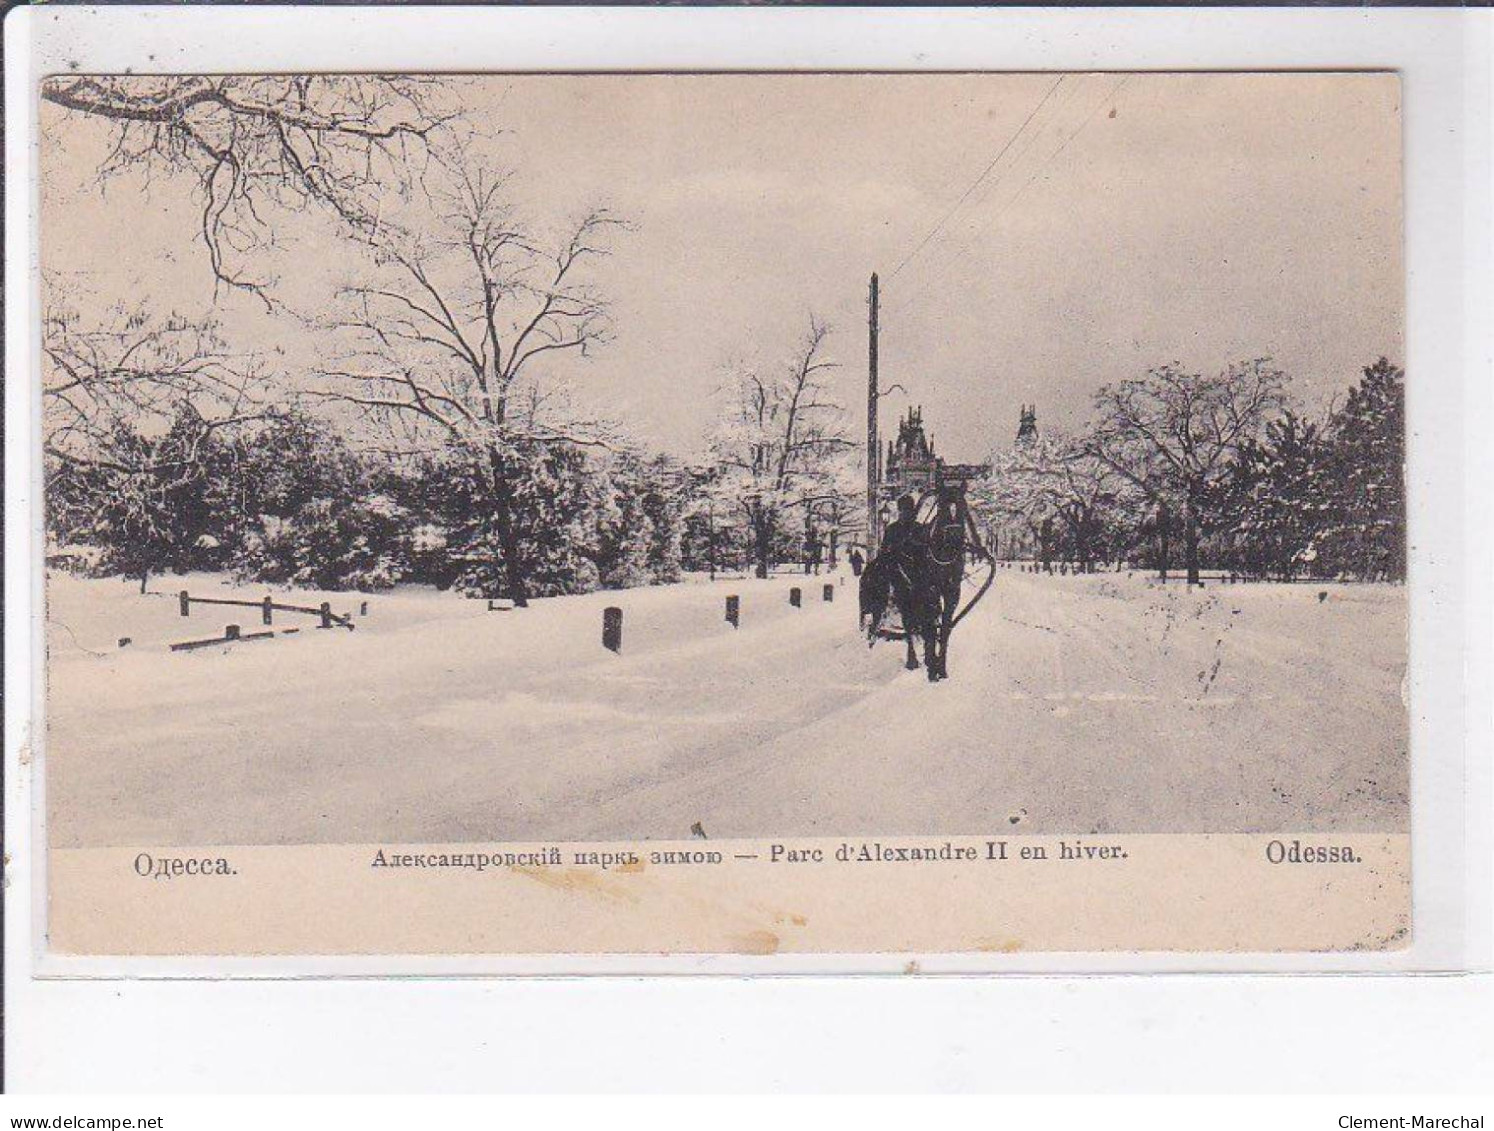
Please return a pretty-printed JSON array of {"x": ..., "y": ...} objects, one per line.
[
  {"x": 1000, "y": 946},
  {"x": 756, "y": 942},
  {"x": 575, "y": 880}
]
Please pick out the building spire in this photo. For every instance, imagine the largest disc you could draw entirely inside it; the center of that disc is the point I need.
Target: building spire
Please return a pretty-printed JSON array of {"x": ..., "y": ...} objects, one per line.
[{"x": 1027, "y": 424}]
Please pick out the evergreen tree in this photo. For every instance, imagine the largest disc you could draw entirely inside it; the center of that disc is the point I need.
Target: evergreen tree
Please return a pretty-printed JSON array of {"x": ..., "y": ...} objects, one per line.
[
  {"x": 1273, "y": 502},
  {"x": 1366, "y": 536},
  {"x": 142, "y": 500}
]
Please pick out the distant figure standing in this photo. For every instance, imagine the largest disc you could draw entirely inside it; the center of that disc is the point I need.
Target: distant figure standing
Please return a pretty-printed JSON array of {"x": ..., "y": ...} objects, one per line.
[
  {"x": 857, "y": 562},
  {"x": 813, "y": 553}
]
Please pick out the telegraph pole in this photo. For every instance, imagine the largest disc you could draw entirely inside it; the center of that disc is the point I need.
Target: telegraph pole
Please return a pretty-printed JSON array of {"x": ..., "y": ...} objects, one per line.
[{"x": 873, "y": 453}]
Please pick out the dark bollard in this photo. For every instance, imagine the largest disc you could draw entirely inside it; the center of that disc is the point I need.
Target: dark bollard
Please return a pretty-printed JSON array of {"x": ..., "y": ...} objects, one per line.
[
  {"x": 612, "y": 628},
  {"x": 186, "y": 602},
  {"x": 267, "y": 611},
  {"x": 326, "y": 611},
  {"x": 796, "y": 596},
  {"x": 733, "y": 611},
  {"x": 231, "y": 632},
  {"x": 829, "y": 593},
  {"x": 362, "y": 610}
]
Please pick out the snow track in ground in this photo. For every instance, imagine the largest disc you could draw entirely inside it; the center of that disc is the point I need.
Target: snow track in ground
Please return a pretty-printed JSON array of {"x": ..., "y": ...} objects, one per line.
[{"x": 1076, "y": 704}]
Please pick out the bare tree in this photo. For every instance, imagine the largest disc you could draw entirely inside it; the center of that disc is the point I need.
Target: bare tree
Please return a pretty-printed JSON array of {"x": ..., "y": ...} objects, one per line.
[
  {"x": 778, "y": 445},
  {"x": 252, "y": 144},
  {"x": 1172, "y": 434},
  {"x": 131, "y": 368},
  {"x": 447, "y": 331}
]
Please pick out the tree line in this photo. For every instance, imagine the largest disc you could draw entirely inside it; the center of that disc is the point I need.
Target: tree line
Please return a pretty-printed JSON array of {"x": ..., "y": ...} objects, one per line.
[
  {"x": 1215, "y": 471},
  {"x": 432, "y": 438},
  {"x": 166, "y": 453},
  {"x": 284, "y": 499}
]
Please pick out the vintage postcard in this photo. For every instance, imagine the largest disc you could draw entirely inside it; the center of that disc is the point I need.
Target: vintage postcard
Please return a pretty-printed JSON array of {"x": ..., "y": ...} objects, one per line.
[{"x": 580, "y": 514}]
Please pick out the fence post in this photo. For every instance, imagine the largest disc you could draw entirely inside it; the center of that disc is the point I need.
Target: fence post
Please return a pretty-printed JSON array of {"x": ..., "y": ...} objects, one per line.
[
  {"x": 231, "y": 632},
  {"x": 612, "y": 628},
  {"x": 829, "y": 592},
  {"x": 795, "y": 596},
  {"x": 267, "y": 610},
  {"x": 186, "y": 601},
  {"x": 326, "y": 612},
  {"x": 733, "y": 610}
]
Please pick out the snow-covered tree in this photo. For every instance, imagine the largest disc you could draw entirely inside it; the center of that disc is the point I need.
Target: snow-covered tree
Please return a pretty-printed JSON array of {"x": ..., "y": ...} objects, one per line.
[
  {"x": 257, "y": 146},
  {"x": 136, "y": 410},
  {"x": 623, "y": 547},
  {"x": 445, "y": 334},
  {"x": 129, "y": 368},
  {"x": 664, "y": 492},
  {"x": 1273, "y": 505},
  {"x": 1365, "y": 476},
  {"x": 300, "y": 507},
  {"x": 359, "y": 543},
  {"x": 778, "y": 446},
  {"x": 143, "y": 499},
  {"x": 1061, "y": 495},
  {"x": 1173, "y": 434}
]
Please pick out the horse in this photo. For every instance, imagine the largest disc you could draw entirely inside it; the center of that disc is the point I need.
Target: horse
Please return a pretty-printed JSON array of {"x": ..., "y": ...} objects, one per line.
[
  {"x": 944, "y": 574},
  {"x": 924, "y": 581},
  {"x": 886, "y": 582}
]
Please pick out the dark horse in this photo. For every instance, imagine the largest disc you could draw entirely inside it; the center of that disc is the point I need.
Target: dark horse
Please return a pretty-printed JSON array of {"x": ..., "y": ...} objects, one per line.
[{"x": 921, "y": 568}]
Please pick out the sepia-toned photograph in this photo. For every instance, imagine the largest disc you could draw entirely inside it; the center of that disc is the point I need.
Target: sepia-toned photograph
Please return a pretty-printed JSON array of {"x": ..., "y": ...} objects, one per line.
[{"x": 937, "y": 474}]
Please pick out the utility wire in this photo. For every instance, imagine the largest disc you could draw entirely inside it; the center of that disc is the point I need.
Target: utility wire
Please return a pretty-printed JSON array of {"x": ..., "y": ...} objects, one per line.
[
  {"x": 932, "y": 232},
  {"x": 1110, "y": 98},
  {"x": 970, "y": 244},
  {"x": 898, "y": 298}
]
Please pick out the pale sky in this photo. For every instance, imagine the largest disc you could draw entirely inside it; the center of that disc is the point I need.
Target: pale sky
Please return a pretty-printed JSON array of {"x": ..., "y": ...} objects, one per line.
[{"x": 1135, "y": 221}]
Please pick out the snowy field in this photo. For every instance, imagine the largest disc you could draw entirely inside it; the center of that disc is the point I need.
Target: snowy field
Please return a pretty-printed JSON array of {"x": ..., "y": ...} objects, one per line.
[{"x": 1106, "y": 703}]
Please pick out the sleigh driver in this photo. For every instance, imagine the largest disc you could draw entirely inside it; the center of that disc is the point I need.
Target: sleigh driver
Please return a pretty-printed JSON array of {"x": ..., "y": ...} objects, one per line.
[
  {"x": 905, "y": 545},
  {"x": 921, "y": 568}
]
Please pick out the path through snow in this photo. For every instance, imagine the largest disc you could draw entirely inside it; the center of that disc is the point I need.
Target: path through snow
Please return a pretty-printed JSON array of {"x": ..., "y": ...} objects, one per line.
[{"x": 1093, "y": 704}]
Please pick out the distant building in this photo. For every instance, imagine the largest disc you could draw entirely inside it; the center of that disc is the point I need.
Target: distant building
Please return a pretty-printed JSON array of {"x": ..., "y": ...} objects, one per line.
[
  {"x": 1016, "y": 540},
  {"x": 1027, "y": 427},
  {"x": 912, "y": 466}
]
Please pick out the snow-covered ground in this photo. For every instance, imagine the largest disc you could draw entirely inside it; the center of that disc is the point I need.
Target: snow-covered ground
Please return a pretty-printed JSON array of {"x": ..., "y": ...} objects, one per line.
[{"x": 1075, "y": 704}]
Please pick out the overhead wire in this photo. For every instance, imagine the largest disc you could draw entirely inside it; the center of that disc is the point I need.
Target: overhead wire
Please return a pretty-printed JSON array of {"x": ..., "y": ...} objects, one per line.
[
  {"x": 932, "y": 232},
  {"x": 993, "y": 191},
  {"x": 970, "y": 244}
]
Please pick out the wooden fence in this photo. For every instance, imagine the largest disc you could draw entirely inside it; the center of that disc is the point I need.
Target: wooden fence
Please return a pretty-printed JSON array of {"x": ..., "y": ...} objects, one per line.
[{"x": 268, "y": 607}]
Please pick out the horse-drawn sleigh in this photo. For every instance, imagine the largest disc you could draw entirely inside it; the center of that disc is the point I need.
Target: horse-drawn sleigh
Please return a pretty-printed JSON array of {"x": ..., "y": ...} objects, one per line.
[{"x": 921, "y": 570}]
